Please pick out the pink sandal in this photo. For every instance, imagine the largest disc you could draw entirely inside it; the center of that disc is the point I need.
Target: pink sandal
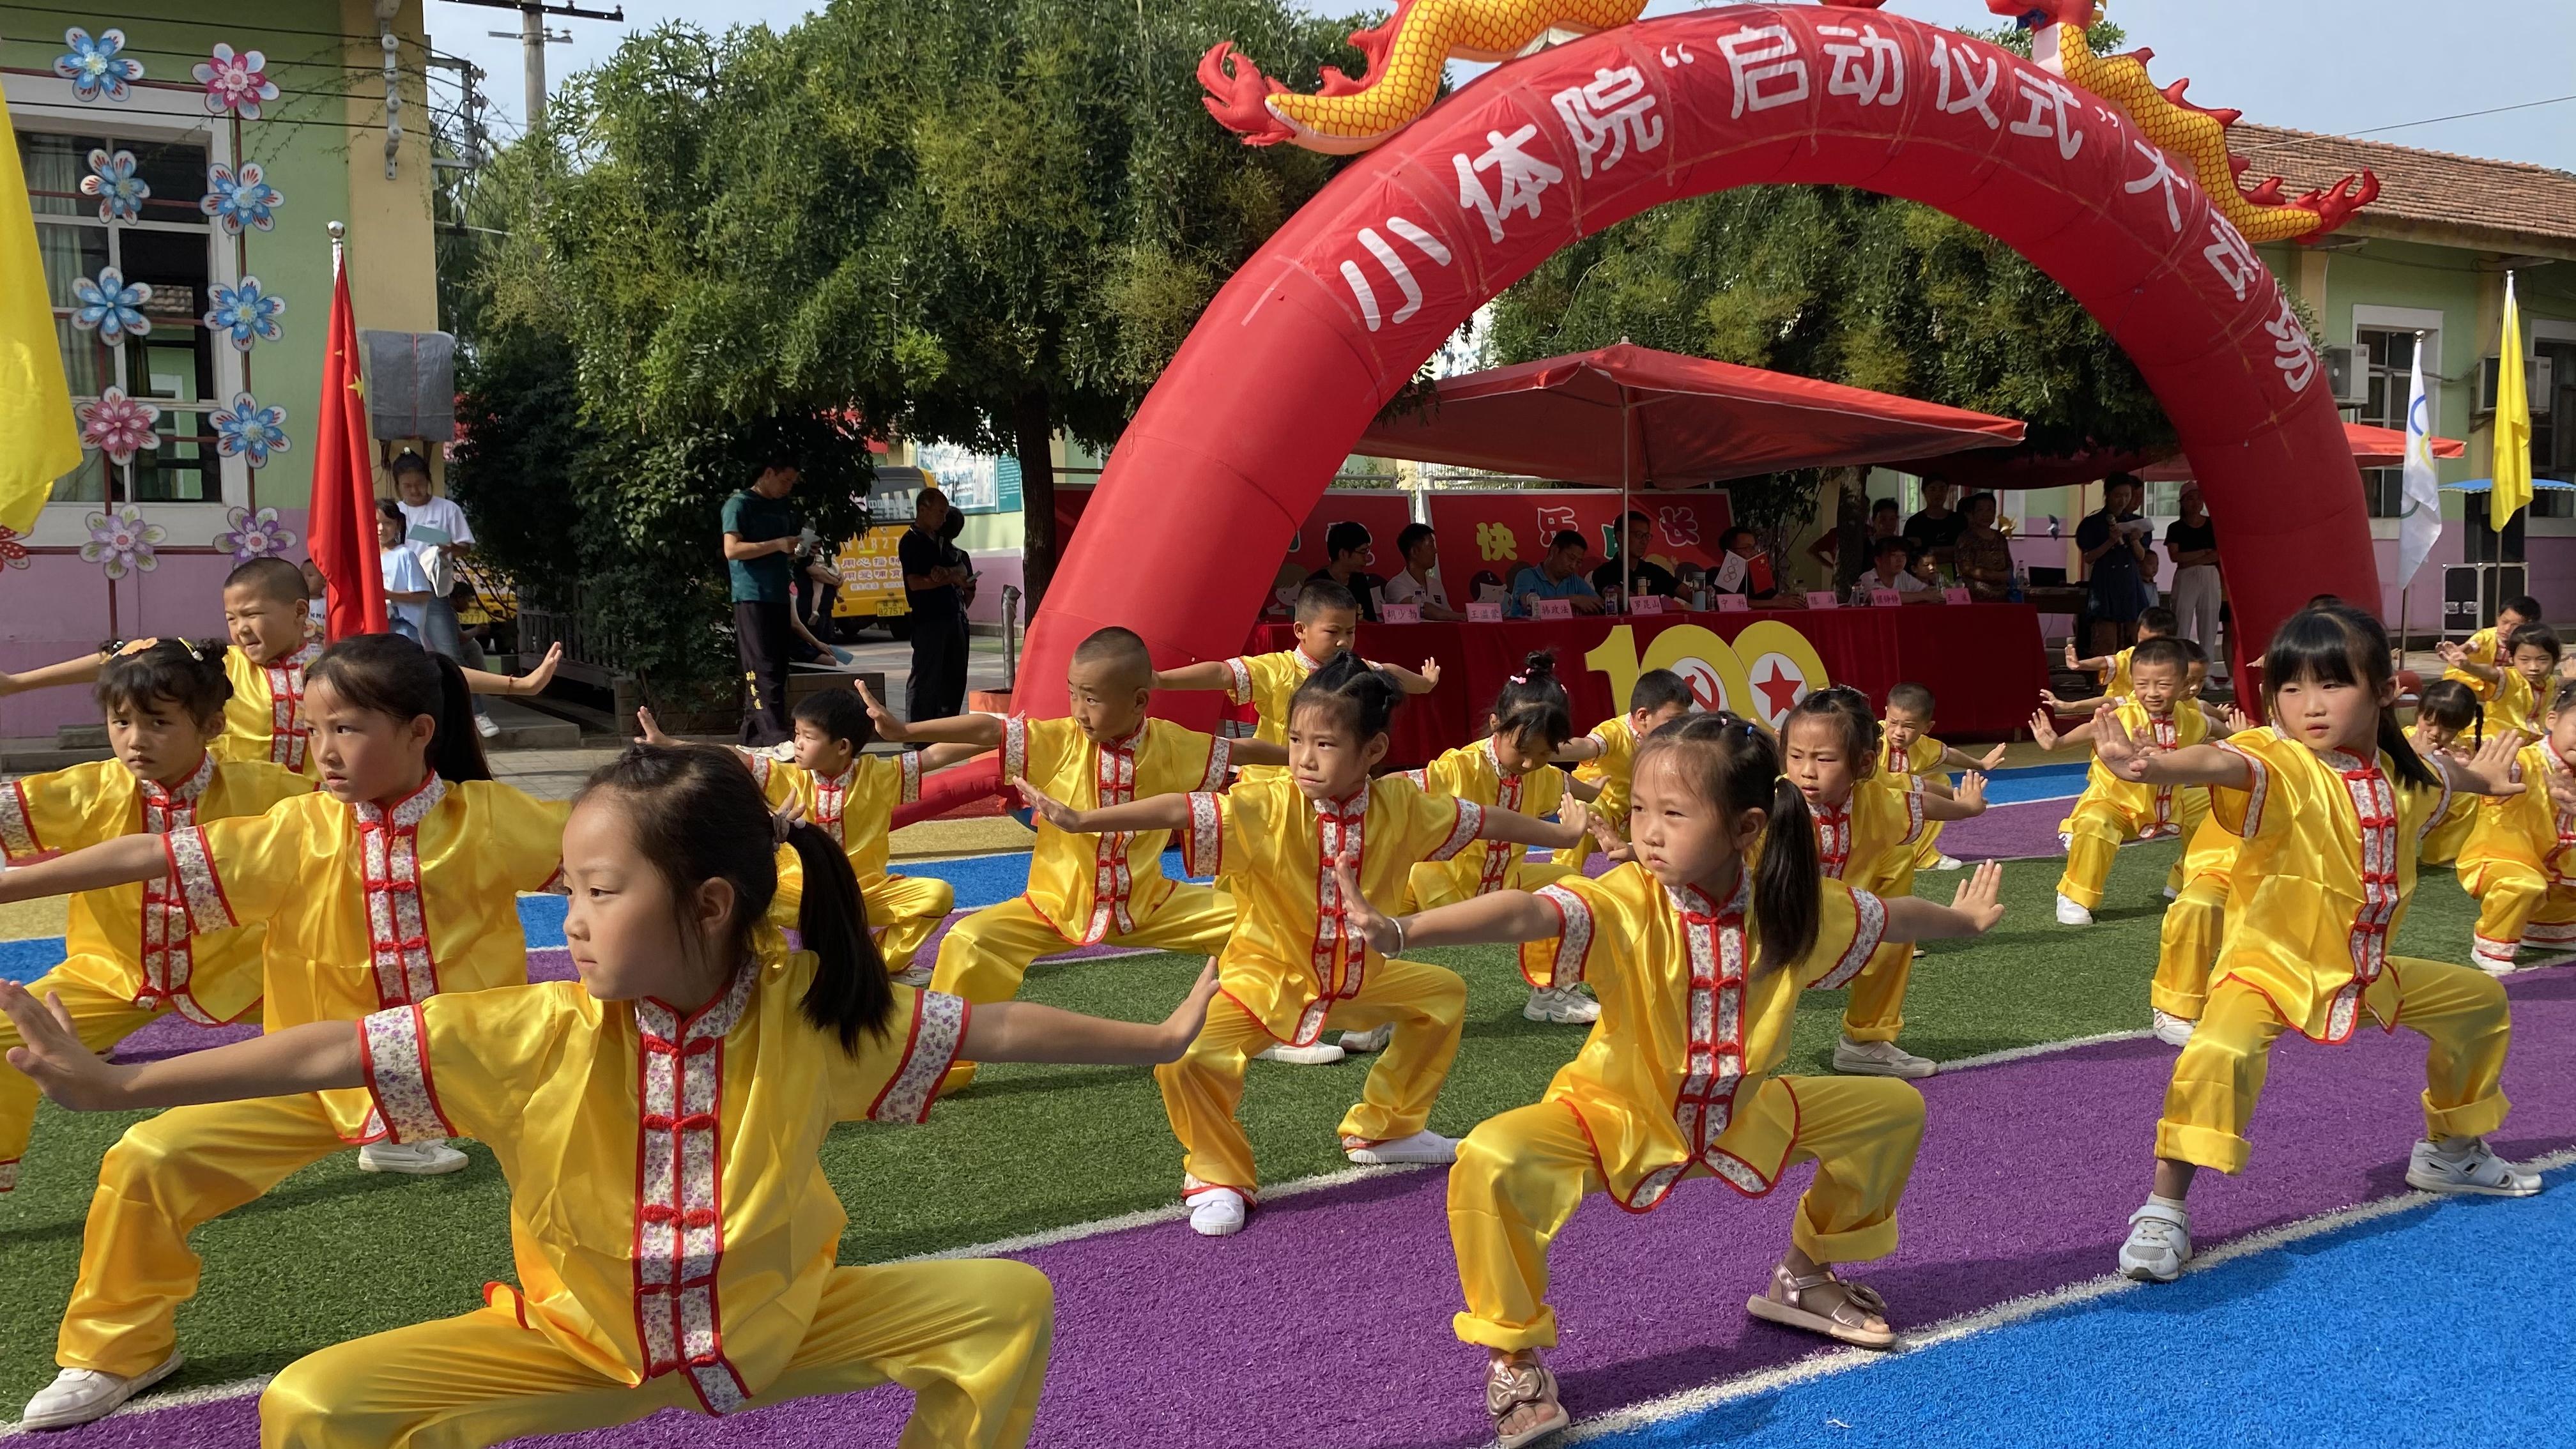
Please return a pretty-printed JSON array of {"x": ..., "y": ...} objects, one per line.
[
  {"x": 1846, "y": 1321},
  {"x": 1511, "y": 1386}
]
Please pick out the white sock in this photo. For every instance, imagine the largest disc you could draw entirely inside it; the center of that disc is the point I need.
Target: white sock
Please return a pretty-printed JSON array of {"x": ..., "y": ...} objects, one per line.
[{"x": 2175, "y": 1203}]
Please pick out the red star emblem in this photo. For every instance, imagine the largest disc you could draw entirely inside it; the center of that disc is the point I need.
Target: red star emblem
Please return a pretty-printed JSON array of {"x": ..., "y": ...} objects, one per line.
[{"x": 1779, "y": 690}]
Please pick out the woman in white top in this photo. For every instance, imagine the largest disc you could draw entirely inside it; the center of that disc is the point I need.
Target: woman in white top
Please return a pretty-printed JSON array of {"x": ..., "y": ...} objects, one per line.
[{"x": 1418, "y": 582}]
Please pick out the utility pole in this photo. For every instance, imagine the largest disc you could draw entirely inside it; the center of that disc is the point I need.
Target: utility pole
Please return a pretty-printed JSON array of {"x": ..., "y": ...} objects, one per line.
[{"x": 534, "y": 38}]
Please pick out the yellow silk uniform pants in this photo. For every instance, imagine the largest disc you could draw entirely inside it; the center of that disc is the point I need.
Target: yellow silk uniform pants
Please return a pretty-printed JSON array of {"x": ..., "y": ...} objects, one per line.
[
  {"x": 165, "y": 1176},
  {"x": 903, "y": 910},
  {"x": 984, "y": 956},
  {"x": 1874, "y": 1008},
  {"x": 1428, "y": 1005},
  {"x": 970, "y": 1339},
  {"x": 99, "y": 995},
  {"x": 1927, "y": 846},
  {"x": 2097, "y": 830},
  {"x": 2517, "y": 902},
  {"x": 1520, "y": 1176},
  {"x": 2459, "y": 1010},
  {"x": 2188, "y": 947}
]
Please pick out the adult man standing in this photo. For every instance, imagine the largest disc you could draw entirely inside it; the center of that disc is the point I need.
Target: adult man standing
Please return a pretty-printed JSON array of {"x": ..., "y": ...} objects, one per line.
[
  {"x": 1557, "y": 575},
  {"x": 759, "y": 546},
  {"x": 437, "y": 530},
  {"x": 2192, "y": 540},
  {"x": 937, "y": 688},
  {"x": 1936, "y": 529},
  {"x": 1631, "y": 570}
]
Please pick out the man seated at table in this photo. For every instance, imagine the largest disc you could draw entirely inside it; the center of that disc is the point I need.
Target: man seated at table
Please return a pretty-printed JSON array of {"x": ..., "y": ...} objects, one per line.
[
  {"x": 1983, "y": 557},
  {"x": 1559, "y": 575},
  {"x": 1346, "y": 547},
  {"x": 1418, "y": 582},
  {"x": 1631, "y": 569},
  {"x": 1887, "y": 569},
  {"x": 1744, "y": 569}
]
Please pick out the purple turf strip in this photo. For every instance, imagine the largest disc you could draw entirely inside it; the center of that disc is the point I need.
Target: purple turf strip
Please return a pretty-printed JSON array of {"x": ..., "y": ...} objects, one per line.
[
  {"x": 1325, "y": 1324},
  {"x": 2018, "y": 831}
]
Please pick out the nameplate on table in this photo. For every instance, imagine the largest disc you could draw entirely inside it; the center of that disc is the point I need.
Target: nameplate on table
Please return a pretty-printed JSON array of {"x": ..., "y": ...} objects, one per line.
[
  {"x": 1954, "y": 596},
  {"x": 1733, "y": 604},
  {"x": 1484, "y": 611},
  {"x": 1400, "y": 613},
  {"x": 1556, "y": 608},
  {"x": 1822, "y": 599},
  {"x": 1646, "y": 604},
  {"x": 1885, "y": 598}
]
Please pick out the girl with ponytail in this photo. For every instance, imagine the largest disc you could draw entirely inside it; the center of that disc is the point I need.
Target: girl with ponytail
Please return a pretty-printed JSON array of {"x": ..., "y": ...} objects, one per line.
[
  {"x": 2449, "y": 721},
  {"x": 1697, "y": 949},
  {"x": 658, "y": 1123},
  {"x": 2330, "y": 803},
  {"x": 399, "y": 882},
  {"x": 132, "y": 952}
]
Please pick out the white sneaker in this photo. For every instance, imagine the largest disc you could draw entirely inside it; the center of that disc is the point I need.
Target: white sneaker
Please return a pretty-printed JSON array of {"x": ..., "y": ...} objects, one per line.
[
  {"x": 1948, "y": 862},
  {"x": 2493, "y": 965},
  {"x": 1563, "y": 1005},
  {"x": 2173, "y": 1030},
  {"x": 487, "y": 727},
  {"x": 1360, "y": 1043},
  {"x": 2071, "y": 914},
  {"x": 1424, "y": 1146},
  {"x": 78, "y": 1396},
  {"x": 913, "y": 975},
  {"x": 2159, "y": 1244},
  {"x": 1321, "y": 1054},
  {"x": 2172, "y": 894},
  {"x": 2467, "y": 1165},
  {"x": 1880, "y": 1059},
  {"x": 411, "y": 1159},
  {"x": 1218, "y": 1213}
]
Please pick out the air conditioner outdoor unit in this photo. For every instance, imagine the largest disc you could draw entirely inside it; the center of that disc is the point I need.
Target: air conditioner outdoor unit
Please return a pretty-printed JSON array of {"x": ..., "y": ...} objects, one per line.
[
  {"x": 2348, "y": 373},
  {"x": 2538, "y": 383}
]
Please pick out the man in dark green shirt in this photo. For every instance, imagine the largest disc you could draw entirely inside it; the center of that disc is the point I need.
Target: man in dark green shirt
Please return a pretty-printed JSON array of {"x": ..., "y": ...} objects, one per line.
[{"x": 760, "y": 532}]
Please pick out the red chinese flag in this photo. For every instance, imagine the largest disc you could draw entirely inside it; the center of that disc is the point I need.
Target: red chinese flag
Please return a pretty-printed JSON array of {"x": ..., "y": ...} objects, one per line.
[{"x": 343, "y": 521}]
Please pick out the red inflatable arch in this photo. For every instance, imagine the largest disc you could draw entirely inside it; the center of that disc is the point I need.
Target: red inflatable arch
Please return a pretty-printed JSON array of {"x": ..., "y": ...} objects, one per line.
[{"x": 1313, "y": 335}]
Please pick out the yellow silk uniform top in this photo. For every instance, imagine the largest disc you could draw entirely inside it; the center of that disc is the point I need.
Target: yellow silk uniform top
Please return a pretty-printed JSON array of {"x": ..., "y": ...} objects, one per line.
[
  {"x": 1265, "y": 681},
  {"x": 2151, "y": 808},
  {"x": 1868, "y": 839},
  {"x": 370, "y": 907},
  {"x": 1471, "y": 772},
  {"x": 2119, "y": 684},
  {"x": 855, "y": 809},
  {"x": 1092, "y": 886},
  {"x": 1292, "y": 955},
  {"x": 209, "y": 977},
  {"x": 1689, "y": 1024},
  {"x": 1923, "y": 757},
  {"x": 2321, "y": 881},
  {"x": 1614, "y": 770},
  {"x": 667, "y": 1213},
  {"x": 264, "y": 720},
  {"x": 2528, "y": 827}
]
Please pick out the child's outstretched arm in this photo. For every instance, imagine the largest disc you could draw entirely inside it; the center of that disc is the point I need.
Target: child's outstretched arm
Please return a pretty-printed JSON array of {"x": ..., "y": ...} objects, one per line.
[
  {"x": 2190, "y": 765},
  {"x": 481, "y": 681},
  {"x": 1954, "y": 758},
  {"x": 1246, "y": 750},
  {"x": 981, "y": 730},
  {"x": 1411, "y": 681},
  {"x": 1154, "y": 812},
  {"x": 1502, "y": 918},
  {"x": 310, "y": 1058},
  {"x": 1969, "y": 801},
  {"x": 125, "y": 860},
  {"x": 2458, "y": 658},
  {"x": 1025, "y": 1031},
  {"x": 83, "y": 670},
  {"x": 1206, "y": 674},
  {"x": 1572, "y": 826},
  {"x": 2490, "y": 771},
  {"x": 940, "y": 757},
  {"x": 2044, "y": 732},
  {"x": 1579, "y": 749},
  {"x": 1586, "y": 791},
  {"x": 1973, "y": 911}
]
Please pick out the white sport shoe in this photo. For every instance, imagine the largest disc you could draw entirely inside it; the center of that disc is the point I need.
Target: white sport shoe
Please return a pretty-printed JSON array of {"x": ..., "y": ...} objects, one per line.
[
  {"x": 487, "y": 727},
  {"x": 2173, "y": 1030},
  {"x": 914, "y": 975},
  {"x": 1424, "y": 1146},
  {"x": 2490, "y": 963},
  {"x": 1321, "y": 1054},
  {"x": 1880, "y": 1059},
  {"x": 411, "y": 1159},
  {"x": 1218, "y": 1213},
  {"x": 1360, "y": 1043},
  {"x": 1563, "y": 1005},
  {"x": 78, "y": 1396},
  {"x": 2159, "y": 1244},
  {"x": 2467, "y": 1165},
  {"x": 2071, "y": 914},
  {"x": 1948, "y": 862},
  {"x": 2172, "y": 894}
]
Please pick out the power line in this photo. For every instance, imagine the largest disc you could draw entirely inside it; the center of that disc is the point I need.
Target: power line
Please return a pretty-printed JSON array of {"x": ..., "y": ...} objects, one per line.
[{"x": 2428, "y": 121}]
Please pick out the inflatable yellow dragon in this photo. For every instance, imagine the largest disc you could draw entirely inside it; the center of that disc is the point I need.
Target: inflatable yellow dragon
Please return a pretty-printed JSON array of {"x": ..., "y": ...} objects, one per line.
[{"x": 1407, "y": 52}]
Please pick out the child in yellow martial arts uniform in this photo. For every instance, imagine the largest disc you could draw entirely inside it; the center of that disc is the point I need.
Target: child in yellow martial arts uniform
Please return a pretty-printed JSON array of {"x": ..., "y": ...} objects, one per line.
[
  {"x": 1906, "y": 730},
  {"x": 1508, "y": 770},
  {"x": 2113, "y": 811},
  {"x": 1087, "y": 890},
  {"x": 2513, "y": 689},
  {"x": 1866, "y": 825},
  {"x": 2520, "y": 857},
  {"x": 2330, "y": 803},
  {"x": 2448, "y": 721},
  {"x": 658, "y": 1122},
  {"x": 1698, "y": 949},
  {"x": 2115, "y": 668},
  {"x": 1293, "y": 965},
  {"x": 851, "y": 796},
  {"x": 132, "y": 952},
  {"x": 398, "y": 882},
  {"x": 1327, "y": 621},
  {"x": 1608, "y": 755},
  {"x": 2489, "y": 647}
]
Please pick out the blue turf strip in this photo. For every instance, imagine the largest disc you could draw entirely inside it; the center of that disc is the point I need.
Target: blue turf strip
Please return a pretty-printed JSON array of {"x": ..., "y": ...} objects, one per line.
[{"x": 2316, "y": 1343}]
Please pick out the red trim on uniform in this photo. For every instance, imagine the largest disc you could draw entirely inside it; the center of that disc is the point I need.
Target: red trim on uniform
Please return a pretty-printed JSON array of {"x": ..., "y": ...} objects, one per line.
[
  {"x": 911, "y": 1039},
  {"x": 518, "y": 1301}
]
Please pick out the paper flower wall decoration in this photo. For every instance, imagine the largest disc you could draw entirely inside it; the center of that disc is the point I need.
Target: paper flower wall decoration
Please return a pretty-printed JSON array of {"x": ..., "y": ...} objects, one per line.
[
  {"x": 236, "y": 83},
  {"x": 95, "y": 68},
  {"x": 118, "y": 425},
  {"x": 245, "y": 313},
  {"x": 247, "y": 430},
  {"x": 13, "y": 549},
  {"x": 238, "y": 200},
  {"x": 112, "y": 305},
  {"x": 119, "y": 191},
  {"x": 123, "y": 542},
  {"x": 254, "y": 535}
]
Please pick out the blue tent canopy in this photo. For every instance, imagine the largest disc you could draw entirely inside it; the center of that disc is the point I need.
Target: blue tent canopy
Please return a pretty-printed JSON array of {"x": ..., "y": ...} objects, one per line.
[{"x": 2487, "y": 485}]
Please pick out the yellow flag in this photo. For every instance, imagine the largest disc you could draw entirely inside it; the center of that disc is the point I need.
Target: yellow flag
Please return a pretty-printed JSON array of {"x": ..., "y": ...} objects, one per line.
[
  {"x": 2512, "y": 424},
  {"x": 39, "y": 442}
]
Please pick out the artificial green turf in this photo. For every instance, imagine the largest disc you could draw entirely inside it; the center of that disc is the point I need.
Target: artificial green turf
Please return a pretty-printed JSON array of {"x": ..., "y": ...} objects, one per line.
[{"x": 335, "y": 1253}]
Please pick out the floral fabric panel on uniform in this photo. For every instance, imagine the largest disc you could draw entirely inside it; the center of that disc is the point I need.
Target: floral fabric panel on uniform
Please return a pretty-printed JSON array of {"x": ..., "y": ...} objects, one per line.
[
  {"x": 1292, "y": 954},
  {"x": 1614, "y": 770},
  {"x": 2519, "y": 860},
  {"x": 1092, "y": 887},
  {"x": 1868, "y": 840},
  {"x": 2310, "y": 926},
  {"x": 264, "y": 720},
  {"x": 1922, "y": 758},
  {"x": 1471, "y": 772},
  {"x": 667, "y": 1213},
  {"x": 1690, "y": 1024},
  {"x": 2152, "y": 811},
  {"x": 373, "y": 906}
]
